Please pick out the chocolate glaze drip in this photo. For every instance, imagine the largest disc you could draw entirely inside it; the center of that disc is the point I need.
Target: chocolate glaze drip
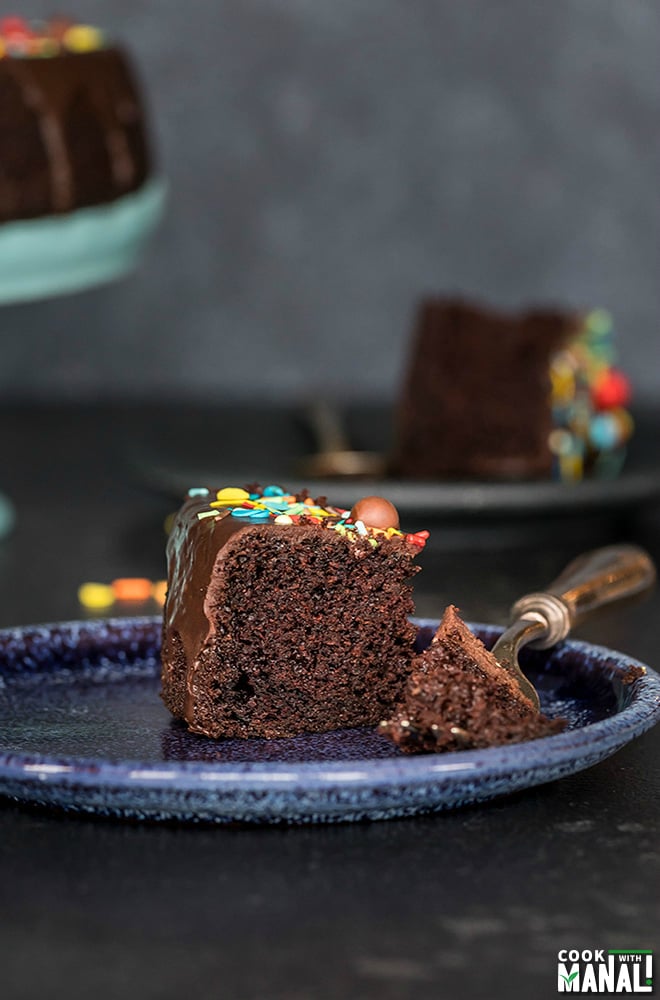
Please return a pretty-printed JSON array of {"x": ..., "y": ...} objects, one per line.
[
  {"x": 192, "y": 550},
  {"x": 194, "y": 546},
  {"x": 73, "y": 133}
]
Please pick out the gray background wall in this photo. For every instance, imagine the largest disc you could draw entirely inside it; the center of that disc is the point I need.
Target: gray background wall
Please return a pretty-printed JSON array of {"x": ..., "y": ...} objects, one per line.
[{"x": 330, "y": 162}]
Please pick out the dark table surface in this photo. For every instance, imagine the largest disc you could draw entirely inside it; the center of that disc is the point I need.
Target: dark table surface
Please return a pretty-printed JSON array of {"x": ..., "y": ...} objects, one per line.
[{"x": 471, "y": 903}]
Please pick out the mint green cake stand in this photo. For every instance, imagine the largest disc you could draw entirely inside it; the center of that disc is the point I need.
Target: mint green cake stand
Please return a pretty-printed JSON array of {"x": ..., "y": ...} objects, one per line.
[{"x": 50, "y": 256}]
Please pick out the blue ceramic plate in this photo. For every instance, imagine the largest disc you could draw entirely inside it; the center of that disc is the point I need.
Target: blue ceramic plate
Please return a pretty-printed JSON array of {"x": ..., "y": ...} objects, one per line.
[{"x": 83, "y": 729}]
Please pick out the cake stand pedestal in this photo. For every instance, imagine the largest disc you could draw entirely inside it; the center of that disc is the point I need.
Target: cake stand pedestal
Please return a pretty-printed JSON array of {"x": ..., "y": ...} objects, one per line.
[{"x": 62, "y": 254}]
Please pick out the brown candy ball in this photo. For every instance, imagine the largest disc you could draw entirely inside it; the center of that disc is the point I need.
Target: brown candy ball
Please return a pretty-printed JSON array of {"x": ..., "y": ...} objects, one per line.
[{"x": 375, "y": 512}]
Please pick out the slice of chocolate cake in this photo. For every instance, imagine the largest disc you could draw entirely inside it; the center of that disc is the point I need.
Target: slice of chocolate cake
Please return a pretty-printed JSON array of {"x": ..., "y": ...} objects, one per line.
[
  {"x": 458, "y": 697},
  {"x": 285, "y": 615},
  {"x": 494, "y": 395}
]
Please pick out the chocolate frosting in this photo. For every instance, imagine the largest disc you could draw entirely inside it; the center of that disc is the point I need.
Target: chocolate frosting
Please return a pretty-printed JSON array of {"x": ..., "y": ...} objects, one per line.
[{"x": 194, "y": 546}]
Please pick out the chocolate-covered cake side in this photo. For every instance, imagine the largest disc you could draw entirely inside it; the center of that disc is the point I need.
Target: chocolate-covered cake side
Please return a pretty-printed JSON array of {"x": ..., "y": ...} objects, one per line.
[
  {"x": 495, "y": 395},
  {"x": 284, "y": 616},
  {"x": 72, "y": 121},
  {"x": 457, "y": 697}
]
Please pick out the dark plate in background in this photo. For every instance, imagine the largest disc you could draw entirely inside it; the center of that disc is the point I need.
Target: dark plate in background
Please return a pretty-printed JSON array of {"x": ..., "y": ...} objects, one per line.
[{"x": 243, "y": 444}]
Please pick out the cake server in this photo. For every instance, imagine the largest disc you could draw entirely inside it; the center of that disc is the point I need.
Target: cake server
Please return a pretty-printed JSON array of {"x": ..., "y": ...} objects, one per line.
[
  {"x": 334, "y": 456},
  {"x": 590, "y": 583}
]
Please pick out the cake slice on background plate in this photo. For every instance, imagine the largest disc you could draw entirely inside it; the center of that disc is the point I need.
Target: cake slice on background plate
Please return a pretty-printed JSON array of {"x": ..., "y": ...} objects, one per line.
[{"x": 496, "y": 395}]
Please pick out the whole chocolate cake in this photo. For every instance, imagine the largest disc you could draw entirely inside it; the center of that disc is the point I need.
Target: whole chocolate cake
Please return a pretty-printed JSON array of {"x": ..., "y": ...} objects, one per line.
[
  {"x": 285, "y": 615},
  {"x": 72, "y": 127},
  {"x": 457, "y": 697},
  {"x": 492, "y": 395}
]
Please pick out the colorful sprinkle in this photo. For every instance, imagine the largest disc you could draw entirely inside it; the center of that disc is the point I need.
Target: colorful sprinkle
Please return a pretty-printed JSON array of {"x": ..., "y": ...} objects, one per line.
[
  {"x": 101, "y": 596},
  {"x": 599, "y": 321},
  {"x": 253, "y": 505},
  {"x": 231, "y": 495},
  {"x": 96, "y": 596},
  {"x": 259, "y": 515},
  {"x": 588, "y": 397},
  {"x": 611, "y": 389},
  {"x": 131, "y": 588},
  {"x": 22, "y": 39},
  {"x": 418, "y": 539},
  {"x": 82, "y": 38}
]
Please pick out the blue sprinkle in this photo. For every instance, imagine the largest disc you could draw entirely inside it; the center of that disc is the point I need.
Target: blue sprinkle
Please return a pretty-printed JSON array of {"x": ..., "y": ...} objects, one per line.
[
  {"x": 259, "y": 515},
  {"x": 604, "y": 431},
  {"x": 279, "y": 506},
  {"x": 198, "y": 491},
  {"x": 254, "y": 496},
  {"x": 273, "y": 491},
  {"x": 241, "y": 512}
]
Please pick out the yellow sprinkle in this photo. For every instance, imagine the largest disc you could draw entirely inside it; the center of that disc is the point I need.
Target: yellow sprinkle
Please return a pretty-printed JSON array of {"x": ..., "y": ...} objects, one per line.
[
  {"x": 96, "y": 595},
  {"x": 82, "y": 38},
  {"x": 232, "y": 494},
  {"x": 318, "y": 512},
  {"x": 168, "y": 523},
  {"x": 571, "y": 467},
  {"x": 159, "y": 590}
]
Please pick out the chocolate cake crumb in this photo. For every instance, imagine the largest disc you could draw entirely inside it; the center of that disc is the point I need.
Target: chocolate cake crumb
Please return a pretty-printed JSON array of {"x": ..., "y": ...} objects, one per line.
[{"x": 458, "y": 697}]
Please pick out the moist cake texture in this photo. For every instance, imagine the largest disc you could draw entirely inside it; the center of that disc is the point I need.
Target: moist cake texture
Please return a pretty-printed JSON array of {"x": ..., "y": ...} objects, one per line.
[
  {"x": 284, "y": 615},
  {"x": 457, "y": 697}
]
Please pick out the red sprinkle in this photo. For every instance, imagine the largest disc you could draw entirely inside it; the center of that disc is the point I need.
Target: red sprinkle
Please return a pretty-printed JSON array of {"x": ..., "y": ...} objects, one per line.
[
  {"x": 611, "y": 389},
  {"x": 10, "y": 25},
  {"x": 418, "y": 539},
  {"x": 16, "y": 31}
]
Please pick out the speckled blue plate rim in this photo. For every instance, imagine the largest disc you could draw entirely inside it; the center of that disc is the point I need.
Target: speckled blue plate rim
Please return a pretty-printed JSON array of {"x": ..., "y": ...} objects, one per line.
[{"x": 534, "y": 762}]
